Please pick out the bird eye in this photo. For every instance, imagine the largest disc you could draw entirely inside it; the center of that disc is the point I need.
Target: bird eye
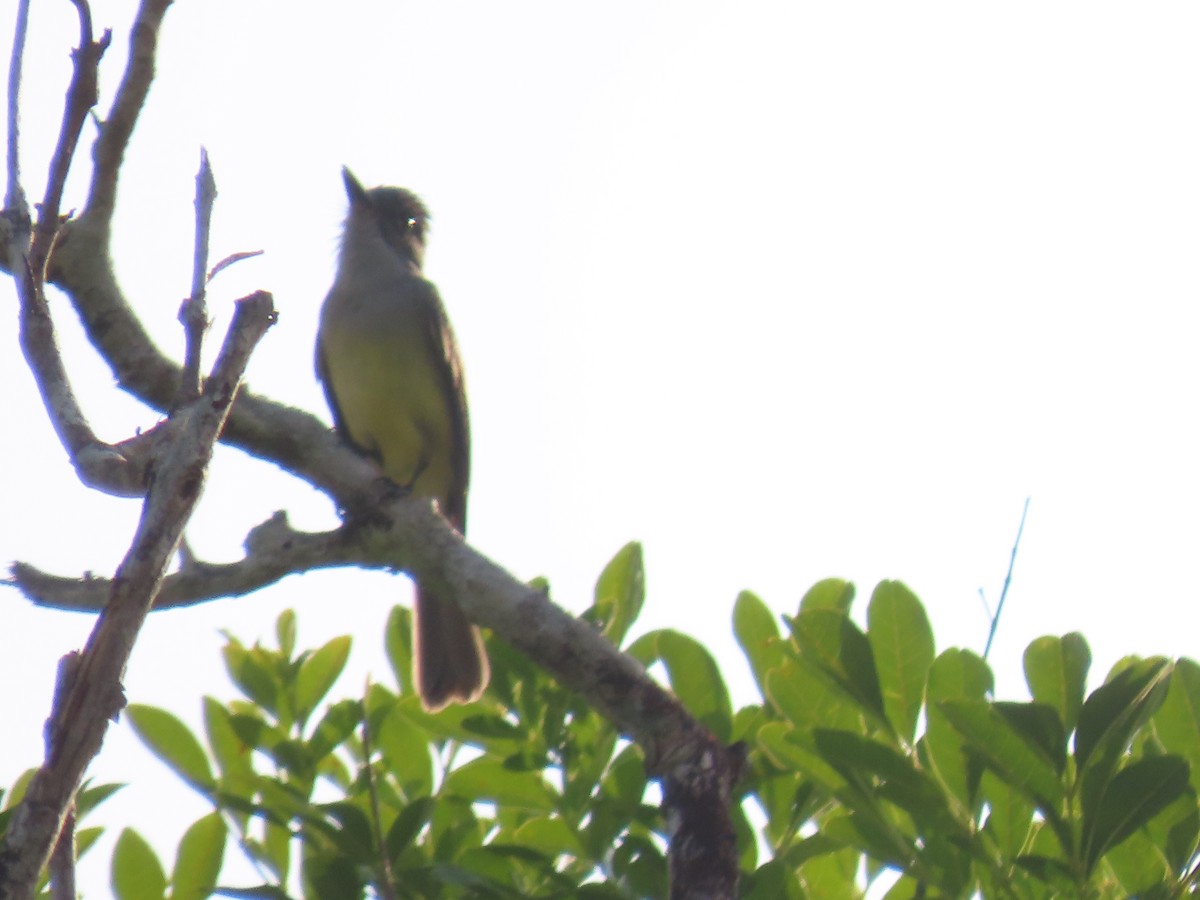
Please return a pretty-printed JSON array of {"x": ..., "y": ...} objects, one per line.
[{"x": 412, "y": 223}]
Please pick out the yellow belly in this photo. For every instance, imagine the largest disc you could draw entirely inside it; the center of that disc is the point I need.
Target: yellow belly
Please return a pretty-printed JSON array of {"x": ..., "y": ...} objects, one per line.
[{"x": 392, "y": 400}]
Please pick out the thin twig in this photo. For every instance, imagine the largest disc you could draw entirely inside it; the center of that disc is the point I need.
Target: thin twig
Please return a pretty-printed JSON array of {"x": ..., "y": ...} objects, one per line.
[
  {"x": 1007, "y": 581},
  {"x": 62, "y": 861},
  {"x": 386, "y": 883},
  {"x": 81, "y": 97},
  {"x": 14, "y": 197},
  {"x": 194, "y": 312},
  {"x": 230, "y": 260},
  {"x": 97, "y": 463},
  {"x": 109, "y": 150}
]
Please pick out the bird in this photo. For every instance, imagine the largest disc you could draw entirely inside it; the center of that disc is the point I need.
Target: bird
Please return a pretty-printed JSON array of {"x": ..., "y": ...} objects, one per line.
[{"x": 389, "y": 364}]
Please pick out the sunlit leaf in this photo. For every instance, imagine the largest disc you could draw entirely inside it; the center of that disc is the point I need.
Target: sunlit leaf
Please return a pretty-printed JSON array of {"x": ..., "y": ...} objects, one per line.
[
  {"x": 486, "y": 779},
  {"x": 757, "y": 633},
  {"x": 694, "y": 675},
  {"x": 1133, "y": 797},
  {"x": 832, "y": 593},
  {"x": 232, "y": 754},
  {"x": 318, "y": 673},
  {"x": 198, "y": 859},
  {"x": 285, "y": 632},
  {"x": 1177, "y": 721},
  {"x": 1056, "y": 671},
  {"x": 902, "y": 647},
  {"x": 136, "y": 872},
  {"x": 398, "y": 643},
  {"x": 620, "y": 592},
  {"x": 991, "y": 738},
  {"x": 829, "y": 639},
  {"x": 252, "y": 677},
  {"x": 171, "y": 741},
  {"x": 954, "y": 675}
]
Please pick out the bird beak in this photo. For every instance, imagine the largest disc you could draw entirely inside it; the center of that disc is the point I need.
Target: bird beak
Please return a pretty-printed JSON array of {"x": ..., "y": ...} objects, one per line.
[{"x": 354, "y": 190}]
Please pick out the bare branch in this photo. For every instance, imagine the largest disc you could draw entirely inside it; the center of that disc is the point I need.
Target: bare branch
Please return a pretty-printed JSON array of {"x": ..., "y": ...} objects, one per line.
[
  {"x": 98, "y": 464},
  {"x": 90, "y": 687},
  {"x": 274, "y": 550},
  {"x": 194, "y": 313},
  {"x": 109, "y": 151},
  {"x": 14, "y": 197},
  {"x": 81, "y": 97}
]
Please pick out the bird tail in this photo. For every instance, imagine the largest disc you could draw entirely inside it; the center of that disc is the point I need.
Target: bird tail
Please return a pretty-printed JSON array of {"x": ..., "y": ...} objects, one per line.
[{"x": 449, "y": 662}]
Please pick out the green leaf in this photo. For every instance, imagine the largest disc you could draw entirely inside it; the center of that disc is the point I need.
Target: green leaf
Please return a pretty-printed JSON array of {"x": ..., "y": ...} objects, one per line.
[
  {"x": 335, "y": 726},
  {"x": 16, "y": 793},
  {"x": 136, "y": 872},
  {"x": 351, "y": 834},
  {"x": 832, "y": 593},
  {"x": 757, "y": 634},
  {"x": 773, "y": 881},
  {"x": 864, "y": 828},
  {"x": 488, "y": 780},
  {"x": 1040, "y": 726},
  {"x": 405, "y": 747},
  {"x": 831, "y": 876},
  {"x": 1139, "y": 865},
  {"x": 198, "y": 859},
  {"x": 828, "y": 639},
  {"x": 407, "y": 826},
  {"x": 1133, "y": 797},
  {"x": 285, "y": 632},
  {"x": 954, "y": 675},
  {"x": 328, "y": 875},
  {"x": 171, "y": 741},
  {"x": 807, "y": 696},
  {"x": 85, "y": 839},
  {"x": 318, "y": 673},
  {"x": 620, "y": 593},
  {"x": 1176, "y": 832},
  {"x": 694, "y": 675},
  {"x": 1115, "y": 710},
  {"x": 231, "y": 752},
  {"x": 625, "y": 779},
  {"x": 1010, "y": 814},
  {"x": 1056, "y": 671},
  {"x": 253, "y": 678},
  {"x": 794, "y": 750},
  {"x": 551, "y": 836},
  {"x": 902, "y": 647},
  {"x": 1177, "y": 721},
  {"x": 880, "y": 770},
  {"x": 398, "y": 643},
  {"x": 91, "y": 796},
  {"x": 1022, "y": 764}
]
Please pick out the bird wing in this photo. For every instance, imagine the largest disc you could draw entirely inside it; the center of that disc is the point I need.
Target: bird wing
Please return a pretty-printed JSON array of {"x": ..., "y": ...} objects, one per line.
[{"x": 450, "y": 373}]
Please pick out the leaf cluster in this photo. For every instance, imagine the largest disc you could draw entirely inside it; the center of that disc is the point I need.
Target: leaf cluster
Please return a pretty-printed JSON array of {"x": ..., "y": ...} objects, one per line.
[
  {"x": 872, "y": 749},
  {"x": 870, "y": 757},
  {"x": 526, "y": 793}
]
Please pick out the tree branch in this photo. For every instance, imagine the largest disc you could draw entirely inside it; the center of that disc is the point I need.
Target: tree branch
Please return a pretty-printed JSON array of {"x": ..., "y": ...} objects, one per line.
[
  {"x": 194, "y": 313},
  {"x": 117, "y": 469},
  {"x": 384, "y": 530},
  {"x": 90, "y": 692}
]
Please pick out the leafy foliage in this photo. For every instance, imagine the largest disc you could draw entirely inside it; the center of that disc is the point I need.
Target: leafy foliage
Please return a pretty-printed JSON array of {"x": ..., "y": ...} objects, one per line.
[
  {"x": 86, "y": 800},
  {"x": 869, "y": 753}
]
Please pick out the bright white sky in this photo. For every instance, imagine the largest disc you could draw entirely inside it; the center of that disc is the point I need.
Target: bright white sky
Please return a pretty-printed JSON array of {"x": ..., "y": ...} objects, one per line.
[{"x": 782, "y": 290}]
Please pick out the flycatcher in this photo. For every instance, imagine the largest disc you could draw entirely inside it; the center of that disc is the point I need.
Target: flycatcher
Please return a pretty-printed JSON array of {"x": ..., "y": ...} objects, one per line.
[{"x": 389, "y": 364}]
